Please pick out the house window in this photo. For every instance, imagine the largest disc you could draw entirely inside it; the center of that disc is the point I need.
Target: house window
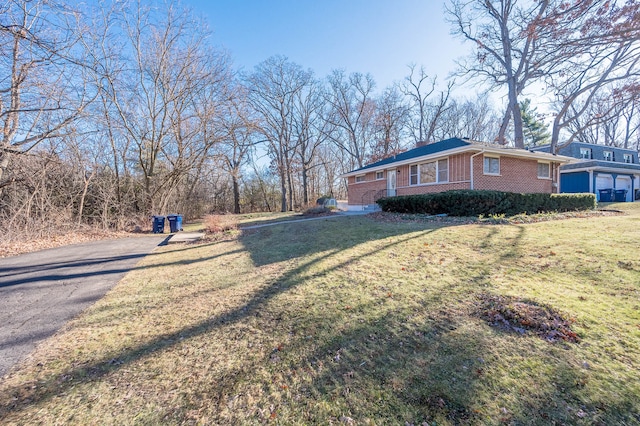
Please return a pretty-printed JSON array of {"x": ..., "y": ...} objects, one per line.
[
  {"x": 443, "y": 170},
  {"x": 379, "y": 175},
  {"x": 585, "y": 153},
  {"x": 413, "y": 175},
  {"x": 428, "y": 172},
  {"x": 628, "y": 158},
  {"x": 608, "y": 155},
  {"x": 491, "y": 165},
  {"x": 360, "y": 178},
  {"x": 431, "y": 172},
  {"x": 544, "y": 170}
]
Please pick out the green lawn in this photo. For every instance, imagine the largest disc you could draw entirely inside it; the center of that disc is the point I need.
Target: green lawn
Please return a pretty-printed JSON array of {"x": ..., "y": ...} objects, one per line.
[{"x": 356, "y": 321}]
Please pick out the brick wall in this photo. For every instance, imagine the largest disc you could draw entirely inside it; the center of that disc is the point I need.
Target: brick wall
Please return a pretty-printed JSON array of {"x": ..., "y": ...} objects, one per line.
[
  {"x": 459, "y": 174},
  {"x": 356, "y": 191},
  {"x": 516, "y": 175}
]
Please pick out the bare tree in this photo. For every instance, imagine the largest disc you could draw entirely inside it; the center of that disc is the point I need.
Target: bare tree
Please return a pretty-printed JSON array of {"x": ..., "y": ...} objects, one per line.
[
  {"x": 425, "y": 114},
  {"x": 611, "y": 119},
  {"x": 510, "y": 48},
  {"x": 390, "y": 123},
  {"x": 42, "y": 88},
  {"x": 273, "y": 88},
  {"x": 352, "y": 113},
  {"x": 603, "y": 63},
  {"x": 579, "y": 49},
  {"x": 475, "y": 119},
  {"x": 312, "y": 130},
  {"x": 240, "y": 131},
  {"x": 163, "y": 97}
]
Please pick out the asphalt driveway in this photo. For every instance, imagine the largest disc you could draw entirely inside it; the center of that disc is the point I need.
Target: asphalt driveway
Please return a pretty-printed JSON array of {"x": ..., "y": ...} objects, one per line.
[{"x": 40, "y": 292}]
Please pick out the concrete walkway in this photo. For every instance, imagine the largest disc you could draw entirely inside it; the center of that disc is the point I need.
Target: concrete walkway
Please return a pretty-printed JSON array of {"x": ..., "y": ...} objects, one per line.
[
  {"x": 41, "y": 291},
  {"x": 185, "y": 237}
]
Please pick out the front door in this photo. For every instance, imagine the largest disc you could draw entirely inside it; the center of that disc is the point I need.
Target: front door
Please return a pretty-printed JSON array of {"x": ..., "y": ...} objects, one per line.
[{"x": 391, "y": 183}]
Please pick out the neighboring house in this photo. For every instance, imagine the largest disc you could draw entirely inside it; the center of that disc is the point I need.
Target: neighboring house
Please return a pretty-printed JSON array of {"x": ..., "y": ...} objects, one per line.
[
  {"x": 601, "y": 170},
  {"x": 454, "y": 164}
]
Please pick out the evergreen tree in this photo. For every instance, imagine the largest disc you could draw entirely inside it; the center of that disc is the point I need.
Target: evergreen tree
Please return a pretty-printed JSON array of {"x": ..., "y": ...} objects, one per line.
[{"x": 536, "y": 132}]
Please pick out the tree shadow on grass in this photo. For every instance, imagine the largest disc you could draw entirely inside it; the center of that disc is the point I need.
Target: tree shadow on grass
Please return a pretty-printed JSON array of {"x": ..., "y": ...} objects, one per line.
[
  {"x": 387, "y": 372},
  {"x": 388, "y": 368},
  {"x": 25, "y": 395}
]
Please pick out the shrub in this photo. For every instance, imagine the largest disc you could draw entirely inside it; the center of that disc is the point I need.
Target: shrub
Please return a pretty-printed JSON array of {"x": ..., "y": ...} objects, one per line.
[
  {"x": 317, "y": 211},
  {"x": 475, "y": 203},
  {"x": 215, "y": 223}
]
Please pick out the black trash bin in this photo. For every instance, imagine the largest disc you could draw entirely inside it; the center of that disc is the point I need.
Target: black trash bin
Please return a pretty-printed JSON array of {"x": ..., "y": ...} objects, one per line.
[
  {"x": 620, "y": 195},
  {"x": 175, "y": 222},
  {"x": 606, "y": 195},
  {"x": 158, "y": 224}
]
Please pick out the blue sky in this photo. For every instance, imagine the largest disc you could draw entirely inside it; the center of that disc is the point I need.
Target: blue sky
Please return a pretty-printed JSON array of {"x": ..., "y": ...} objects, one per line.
[{"x": 377, "y": 36}]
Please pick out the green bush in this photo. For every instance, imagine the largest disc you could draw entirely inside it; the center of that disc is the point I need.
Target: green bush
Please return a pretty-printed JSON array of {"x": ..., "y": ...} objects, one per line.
[{"x": 475, "y": 203}]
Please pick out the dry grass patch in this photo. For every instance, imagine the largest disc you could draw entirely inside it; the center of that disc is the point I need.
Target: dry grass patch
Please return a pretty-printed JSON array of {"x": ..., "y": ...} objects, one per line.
[
  {"x": 217, "y": 223},
  {"x": 352, "y": 321}
]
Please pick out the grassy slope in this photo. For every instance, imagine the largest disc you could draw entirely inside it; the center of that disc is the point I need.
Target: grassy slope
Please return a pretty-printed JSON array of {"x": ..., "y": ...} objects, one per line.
[{"x": 351, "y": 319}]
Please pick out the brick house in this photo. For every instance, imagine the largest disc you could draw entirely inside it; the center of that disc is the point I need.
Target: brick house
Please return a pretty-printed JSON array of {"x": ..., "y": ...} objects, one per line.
[
  {"x": 454, "y": 164},
  {"x": 612, "y": 173}
]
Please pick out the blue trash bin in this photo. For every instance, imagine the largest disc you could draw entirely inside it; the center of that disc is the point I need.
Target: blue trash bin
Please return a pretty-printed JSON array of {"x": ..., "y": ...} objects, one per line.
[
  {"x": 620, "y": 195},
  {"x": 606, "y": 195},
  {"x": 158, "y": 224},
  {"x": 175, "y": 222}
]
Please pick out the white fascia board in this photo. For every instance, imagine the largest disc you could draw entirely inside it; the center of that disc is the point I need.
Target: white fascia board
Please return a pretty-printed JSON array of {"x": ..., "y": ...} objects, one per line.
[{"x": 543, "y": 156}]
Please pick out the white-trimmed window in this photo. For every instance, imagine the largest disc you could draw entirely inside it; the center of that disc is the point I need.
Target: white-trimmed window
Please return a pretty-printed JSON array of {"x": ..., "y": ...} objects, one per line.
[
  {"x": 607, "y": 155},
  {"x": 585, "y": 153},
  {"x": 379, "y": 175},
  {"x": 413, "y": 174},
  {"x": 544, "y": 170},
  {"x": 627, "y": 158},
  {"x": 431, "y": 172},
  {"x": 360, "y": 178},
  {"x": 491, "y": 165},
  {"x": 443, "y": 170}
]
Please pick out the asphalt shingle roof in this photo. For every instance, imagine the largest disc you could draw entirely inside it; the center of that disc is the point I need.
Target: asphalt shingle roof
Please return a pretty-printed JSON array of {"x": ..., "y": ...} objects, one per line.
[{"x": 420, "y": 151}]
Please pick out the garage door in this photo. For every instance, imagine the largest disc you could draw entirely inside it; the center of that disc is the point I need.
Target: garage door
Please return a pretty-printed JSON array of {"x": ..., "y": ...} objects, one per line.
[
  {"x": 603, "y": 181},
  {"x": 624, "y": 182}
]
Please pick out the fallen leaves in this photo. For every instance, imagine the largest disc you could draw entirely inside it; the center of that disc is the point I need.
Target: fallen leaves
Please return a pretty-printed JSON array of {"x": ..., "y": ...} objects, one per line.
[
  {"x": 524, "y": 316},
  {"x": 16, "y": 247},
  {"x": 518, "y": 219}
]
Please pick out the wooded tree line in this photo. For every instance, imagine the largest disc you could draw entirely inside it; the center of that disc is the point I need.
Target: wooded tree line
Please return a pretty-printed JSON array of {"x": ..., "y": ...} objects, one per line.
[{"x": 119, "y": 110}]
